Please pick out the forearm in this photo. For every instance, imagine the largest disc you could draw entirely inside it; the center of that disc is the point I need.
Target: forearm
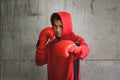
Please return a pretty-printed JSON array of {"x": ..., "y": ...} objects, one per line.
[{"x": 83, "y": 49}]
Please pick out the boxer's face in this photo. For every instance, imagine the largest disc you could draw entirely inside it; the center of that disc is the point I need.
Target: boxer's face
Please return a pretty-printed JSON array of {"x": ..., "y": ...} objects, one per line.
[{"x": 57, "y": 26}]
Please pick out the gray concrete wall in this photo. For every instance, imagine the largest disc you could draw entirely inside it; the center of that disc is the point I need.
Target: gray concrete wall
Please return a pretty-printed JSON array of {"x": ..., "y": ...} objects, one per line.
[{"x": 98, "y": 21}]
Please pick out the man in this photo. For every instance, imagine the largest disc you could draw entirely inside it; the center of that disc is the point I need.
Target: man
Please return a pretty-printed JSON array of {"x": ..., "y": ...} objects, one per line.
[{"x": 63, "y": 52}]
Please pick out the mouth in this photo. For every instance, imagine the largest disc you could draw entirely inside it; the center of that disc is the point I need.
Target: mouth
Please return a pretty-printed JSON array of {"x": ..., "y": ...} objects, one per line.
[{"x": 58, "y": 34}]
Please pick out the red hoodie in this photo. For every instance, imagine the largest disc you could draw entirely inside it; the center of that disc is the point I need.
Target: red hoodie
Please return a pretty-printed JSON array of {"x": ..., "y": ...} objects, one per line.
[{"x": 63, "y": 68}]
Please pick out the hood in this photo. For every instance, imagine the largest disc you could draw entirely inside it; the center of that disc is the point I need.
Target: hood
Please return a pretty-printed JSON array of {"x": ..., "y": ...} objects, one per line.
[{"x": 66, "y": 23}]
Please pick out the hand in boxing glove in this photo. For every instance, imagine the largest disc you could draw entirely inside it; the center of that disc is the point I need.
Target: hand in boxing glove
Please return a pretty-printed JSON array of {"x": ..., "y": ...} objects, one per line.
[
  {"x": 46, "y": 33},
  {"x": 66, "y": 47}
]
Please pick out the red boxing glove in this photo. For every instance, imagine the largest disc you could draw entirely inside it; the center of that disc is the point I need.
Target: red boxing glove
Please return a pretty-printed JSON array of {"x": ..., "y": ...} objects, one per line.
[
  {"x": 64, "y": 47},
  {"x": 46, "y": 33}
]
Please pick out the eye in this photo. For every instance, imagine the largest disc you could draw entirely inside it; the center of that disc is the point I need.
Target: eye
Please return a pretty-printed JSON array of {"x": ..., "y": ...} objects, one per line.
[
  {"x": 54, "y": 25},
  {"x": 61, "y": 26}
]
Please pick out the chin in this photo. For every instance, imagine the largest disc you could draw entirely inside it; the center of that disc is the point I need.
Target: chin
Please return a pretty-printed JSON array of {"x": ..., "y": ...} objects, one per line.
[{"x": 58, "y": 37}]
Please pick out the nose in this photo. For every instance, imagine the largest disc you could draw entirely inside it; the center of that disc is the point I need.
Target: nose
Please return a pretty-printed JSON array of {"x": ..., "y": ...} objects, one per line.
[{"x": 57, "y": 28}]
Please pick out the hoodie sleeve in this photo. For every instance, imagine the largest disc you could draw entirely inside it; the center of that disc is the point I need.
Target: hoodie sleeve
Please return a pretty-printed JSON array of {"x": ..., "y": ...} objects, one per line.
[
  {"x": 40, "y": 56},
  {"x": 84, "y": 47}
]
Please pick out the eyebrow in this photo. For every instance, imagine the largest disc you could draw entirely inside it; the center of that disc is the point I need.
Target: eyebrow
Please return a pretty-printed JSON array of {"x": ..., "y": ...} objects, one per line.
[{"x": 56, "y": 25}]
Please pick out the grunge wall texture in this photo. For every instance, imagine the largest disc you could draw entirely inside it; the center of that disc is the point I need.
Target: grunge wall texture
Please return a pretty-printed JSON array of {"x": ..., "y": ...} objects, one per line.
[{"x": 21, "y": 21}]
